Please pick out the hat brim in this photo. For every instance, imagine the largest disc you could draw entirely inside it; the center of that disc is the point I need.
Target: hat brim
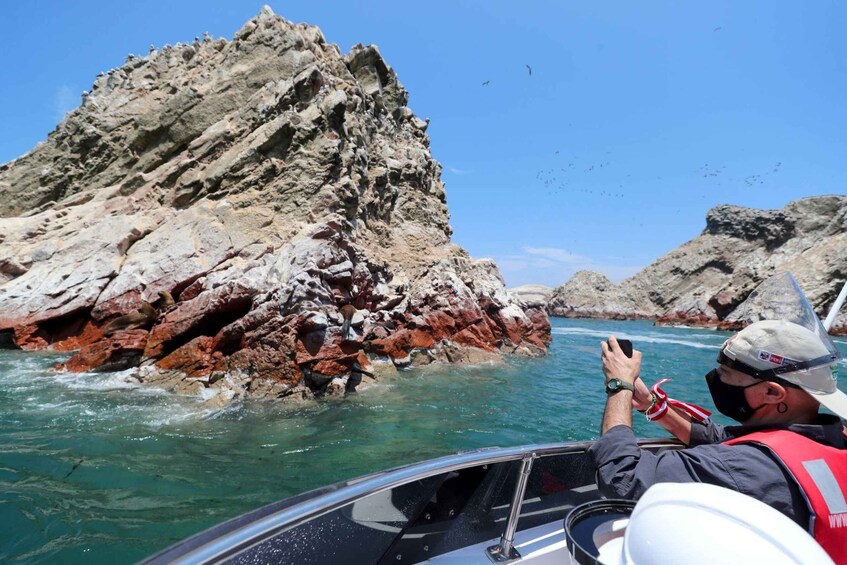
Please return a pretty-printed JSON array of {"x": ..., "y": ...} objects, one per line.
[{"x": 836, "y": 401}]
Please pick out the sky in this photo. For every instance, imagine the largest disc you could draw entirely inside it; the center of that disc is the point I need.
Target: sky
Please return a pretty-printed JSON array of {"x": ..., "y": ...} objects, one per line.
[{"x": 573, "y": 135}]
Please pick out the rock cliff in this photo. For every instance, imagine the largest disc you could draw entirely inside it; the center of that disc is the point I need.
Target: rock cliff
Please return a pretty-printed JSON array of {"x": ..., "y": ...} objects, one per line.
[
  {"x": 534, "y": 295},
  {"x": 705, "y": 280},
  {"x": 591, "y": 295},
  {"x": 262, "y": 212}
]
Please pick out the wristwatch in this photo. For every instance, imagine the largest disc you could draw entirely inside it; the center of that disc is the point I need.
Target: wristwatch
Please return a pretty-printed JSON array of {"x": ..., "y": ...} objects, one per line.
[{"x": 617, "y": 385}]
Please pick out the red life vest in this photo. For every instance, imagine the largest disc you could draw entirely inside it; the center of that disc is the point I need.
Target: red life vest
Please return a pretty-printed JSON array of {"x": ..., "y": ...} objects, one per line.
[{"x": 821, "y": 473}]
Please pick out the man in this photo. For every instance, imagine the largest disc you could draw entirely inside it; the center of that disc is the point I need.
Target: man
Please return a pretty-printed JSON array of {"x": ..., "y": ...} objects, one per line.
[{"x": 772, "y": 377}]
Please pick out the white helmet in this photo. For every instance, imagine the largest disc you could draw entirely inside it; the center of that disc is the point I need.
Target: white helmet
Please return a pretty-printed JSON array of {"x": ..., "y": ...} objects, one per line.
[{"x": 699, "y": 523}]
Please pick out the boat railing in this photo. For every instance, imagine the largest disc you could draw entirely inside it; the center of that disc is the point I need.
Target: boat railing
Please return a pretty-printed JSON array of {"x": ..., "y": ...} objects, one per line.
[{"x": 237, "y": 535}]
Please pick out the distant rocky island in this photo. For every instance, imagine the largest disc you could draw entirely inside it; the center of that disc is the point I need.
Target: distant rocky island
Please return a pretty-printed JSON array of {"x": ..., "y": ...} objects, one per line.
[
  {"x": 260, "y": 216},
  {"x": 705, "y": 281}
]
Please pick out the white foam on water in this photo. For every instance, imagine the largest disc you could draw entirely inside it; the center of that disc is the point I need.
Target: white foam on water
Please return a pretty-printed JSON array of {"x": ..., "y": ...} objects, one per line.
[
  {"x": 29, "y": 373},
  {"x": 150, "y": 390},
  {"x": 302, "y": 450},
  {"x": 152, "y": 406},
  {"x": 634, "y": 338},
  {"x": 55, "y": 405},
  {"x": 208, "y": 393},
  {"x": 20, "y": 366},
  {"x": 98, "y": 381},
  {"x": 234, "y": 408},
  {"x": 178, "y": 416}
]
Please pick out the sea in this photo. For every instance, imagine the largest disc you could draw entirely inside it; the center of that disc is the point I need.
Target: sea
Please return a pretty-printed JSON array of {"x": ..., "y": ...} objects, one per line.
[{"x": 95, "y": 470}]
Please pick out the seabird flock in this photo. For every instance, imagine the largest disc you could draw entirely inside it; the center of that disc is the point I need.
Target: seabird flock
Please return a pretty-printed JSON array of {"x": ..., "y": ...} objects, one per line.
[
  {"x": 562, "y": 180},
  {"x": 559, "y": 181}
]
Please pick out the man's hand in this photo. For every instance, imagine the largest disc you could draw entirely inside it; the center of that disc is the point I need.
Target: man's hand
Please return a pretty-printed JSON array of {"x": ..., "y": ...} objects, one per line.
[{"x": 616, "y": 365}]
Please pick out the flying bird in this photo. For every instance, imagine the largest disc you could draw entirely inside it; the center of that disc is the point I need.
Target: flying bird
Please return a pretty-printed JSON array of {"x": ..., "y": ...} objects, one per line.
[
  {"x": 529, "y": 69},
  {"x": 717, "y": 28},
  {"x": 486, "y": 83}
]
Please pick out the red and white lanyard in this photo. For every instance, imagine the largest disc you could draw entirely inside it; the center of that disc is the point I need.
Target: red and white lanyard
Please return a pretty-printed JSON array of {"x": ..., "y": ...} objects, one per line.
[{"x": 660, "y": 406}]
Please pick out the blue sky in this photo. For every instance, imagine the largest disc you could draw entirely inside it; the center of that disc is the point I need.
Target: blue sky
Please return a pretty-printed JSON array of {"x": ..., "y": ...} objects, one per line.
[{"x": 637, "y": 118}]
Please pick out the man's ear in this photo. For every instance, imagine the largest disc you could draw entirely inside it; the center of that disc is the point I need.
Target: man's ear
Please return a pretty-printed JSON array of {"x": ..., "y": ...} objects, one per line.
[{"x": 775, "y": 393}]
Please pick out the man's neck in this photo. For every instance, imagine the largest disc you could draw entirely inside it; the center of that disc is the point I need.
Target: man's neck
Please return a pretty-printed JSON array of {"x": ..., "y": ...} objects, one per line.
[{"x": 787, "y": 419}]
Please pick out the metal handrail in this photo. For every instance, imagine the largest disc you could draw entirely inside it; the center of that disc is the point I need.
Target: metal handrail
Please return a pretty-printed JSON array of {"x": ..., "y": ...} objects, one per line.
[
  {"x": 836, "y": 306},
  {"x": 251, "y": 534},
  {"x": 505, "y": 552}
]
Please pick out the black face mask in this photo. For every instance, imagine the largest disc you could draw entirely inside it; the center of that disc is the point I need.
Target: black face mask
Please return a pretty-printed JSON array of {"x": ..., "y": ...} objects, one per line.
[{"x": 729, "y": 399}]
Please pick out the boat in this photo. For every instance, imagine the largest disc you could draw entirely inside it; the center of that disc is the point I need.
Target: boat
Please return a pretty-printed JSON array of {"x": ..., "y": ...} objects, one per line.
[
  {"x": 491, "y": 505},
  {"x": 536, "y": 504}
]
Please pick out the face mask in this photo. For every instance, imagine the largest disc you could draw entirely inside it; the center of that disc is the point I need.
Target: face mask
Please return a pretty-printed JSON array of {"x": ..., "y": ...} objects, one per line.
[{"x": 729, "y": 399}]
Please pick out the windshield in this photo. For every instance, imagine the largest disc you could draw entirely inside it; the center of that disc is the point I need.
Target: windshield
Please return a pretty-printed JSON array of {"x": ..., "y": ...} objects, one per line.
[{"x": 781, "y": 298}]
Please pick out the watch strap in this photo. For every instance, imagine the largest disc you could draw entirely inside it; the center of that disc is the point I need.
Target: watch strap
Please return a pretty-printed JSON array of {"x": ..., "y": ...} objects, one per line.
[{"x": 618, "y": 386}]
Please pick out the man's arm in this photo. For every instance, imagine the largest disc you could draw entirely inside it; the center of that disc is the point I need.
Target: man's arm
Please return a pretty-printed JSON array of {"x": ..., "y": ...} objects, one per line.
[
  {"x": 616, "y": 365},
  {"x": 681, "y": 425},
  {"x": 619, "y": 406},
  {"x": 618, "y": 411},
  {"x": 707, "y": 432},
  {"x": 625, "y": 471},
  {"x": 677, "y": 424}
]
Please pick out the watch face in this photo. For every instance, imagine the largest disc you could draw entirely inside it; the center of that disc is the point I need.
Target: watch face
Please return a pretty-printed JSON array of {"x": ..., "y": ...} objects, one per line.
[{"x": 617, "y": 385}]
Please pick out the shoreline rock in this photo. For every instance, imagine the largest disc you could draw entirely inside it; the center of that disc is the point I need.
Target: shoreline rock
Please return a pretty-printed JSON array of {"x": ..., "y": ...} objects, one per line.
[
  {"x": 264, "y": 183},
  {"x": 706, "y": 280},
  {"x": 533, "y": 295},
  {"x": 592, "y": 295}
]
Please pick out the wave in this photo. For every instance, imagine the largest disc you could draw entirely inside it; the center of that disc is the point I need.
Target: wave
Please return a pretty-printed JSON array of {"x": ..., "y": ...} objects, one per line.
[
  {"x": 65, "y": 405},
  {"x": 177, "y": 416},
  {"x": 301, "y": 450},
  {"x": 115, "y": 397},
  {"x": 635, "y": 338},
  {"x": 98, "y": 381}
]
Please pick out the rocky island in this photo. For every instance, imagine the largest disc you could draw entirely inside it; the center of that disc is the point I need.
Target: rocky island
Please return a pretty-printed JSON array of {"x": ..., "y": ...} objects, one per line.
[
  {"x": 705, "y": 281},
  {"x": 260, "y": 216}
]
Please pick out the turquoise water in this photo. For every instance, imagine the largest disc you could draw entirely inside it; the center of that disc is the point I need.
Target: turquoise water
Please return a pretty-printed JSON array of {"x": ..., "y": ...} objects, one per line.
[{"x": 93, "y": 470}]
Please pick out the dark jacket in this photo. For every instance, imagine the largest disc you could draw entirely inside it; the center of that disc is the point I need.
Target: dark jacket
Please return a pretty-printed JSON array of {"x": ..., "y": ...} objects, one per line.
[{"x": 625, "y": 471}]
